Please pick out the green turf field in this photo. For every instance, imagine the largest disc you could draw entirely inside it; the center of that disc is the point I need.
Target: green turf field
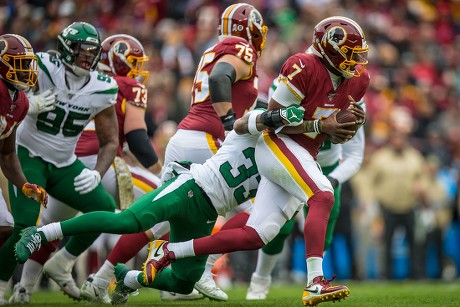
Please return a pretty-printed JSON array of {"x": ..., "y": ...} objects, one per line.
[{"x": 405, "y": 293}]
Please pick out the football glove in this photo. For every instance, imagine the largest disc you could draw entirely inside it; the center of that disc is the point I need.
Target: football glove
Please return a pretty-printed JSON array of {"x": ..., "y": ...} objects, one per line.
[
  {"x": 293, "y": 115},
  {"x": 87, "y": 181},
  {"x": 43, "y": 102},
  {"x": 35, "y": 192}
]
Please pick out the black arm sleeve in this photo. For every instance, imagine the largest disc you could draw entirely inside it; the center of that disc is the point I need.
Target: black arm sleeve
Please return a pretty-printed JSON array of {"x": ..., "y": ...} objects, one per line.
[
  {"x": 220, "y": 82},
  {"x": 141, "y": 147}
]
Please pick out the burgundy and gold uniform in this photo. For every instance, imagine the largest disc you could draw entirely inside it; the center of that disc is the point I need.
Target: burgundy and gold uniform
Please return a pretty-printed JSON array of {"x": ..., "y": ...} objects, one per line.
[
  {"x": 12, "y": 112},
  {"x": 309, "y": 80},
  {"x": 202, "y": 116}
]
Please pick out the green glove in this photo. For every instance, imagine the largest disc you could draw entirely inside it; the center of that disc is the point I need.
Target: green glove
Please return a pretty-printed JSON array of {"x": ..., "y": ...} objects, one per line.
[{"x": 293, "y": 115}]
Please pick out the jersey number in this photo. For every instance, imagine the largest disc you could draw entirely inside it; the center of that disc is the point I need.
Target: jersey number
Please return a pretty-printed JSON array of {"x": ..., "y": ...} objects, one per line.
[
  {"x": 201, "y": 83},
  {"x": 52, "y": 121},
  {"x": 244, "y": 173}
]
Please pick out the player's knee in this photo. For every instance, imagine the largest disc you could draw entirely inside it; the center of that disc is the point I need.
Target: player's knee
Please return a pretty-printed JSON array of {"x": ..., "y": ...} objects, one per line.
[
  {"x": 324, "y": 198},
  {"x": 107, "y": 203}
]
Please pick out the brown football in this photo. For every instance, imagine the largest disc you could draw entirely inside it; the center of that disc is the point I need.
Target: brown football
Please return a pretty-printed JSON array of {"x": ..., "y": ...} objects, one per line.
[{"x": 345, "y": 116}]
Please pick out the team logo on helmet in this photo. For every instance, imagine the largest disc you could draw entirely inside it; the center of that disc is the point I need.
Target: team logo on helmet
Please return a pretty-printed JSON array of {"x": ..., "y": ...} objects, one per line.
[
  {"x": 121, "y": 47},
  {"x": 337, "y": 35}
]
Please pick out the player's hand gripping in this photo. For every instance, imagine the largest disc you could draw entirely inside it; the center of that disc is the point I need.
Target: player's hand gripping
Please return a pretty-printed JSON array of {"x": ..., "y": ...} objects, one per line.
[
  {"x": 43, "y": 102},
  {"x": 87, "y": 181},
  {"x": 35, "y": 192},
  {"x": 292, "y": 115},
  {"x": 358, "y": 110}
]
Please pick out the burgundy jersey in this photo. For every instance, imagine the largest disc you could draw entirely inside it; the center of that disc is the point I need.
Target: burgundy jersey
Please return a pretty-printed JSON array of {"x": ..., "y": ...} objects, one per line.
[
  {"x": 202, "y": 116},
  {"x": 129, "y": 90},
  {"x": 311, "y": 83},
  {"x": 11, "y": 112}
]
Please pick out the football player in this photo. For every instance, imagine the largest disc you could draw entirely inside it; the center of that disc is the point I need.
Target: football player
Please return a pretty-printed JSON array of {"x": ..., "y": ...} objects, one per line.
[
  {"x": 18, "y": 69},
  {"x": 190, "y": 199},
  {"x": 327, "y": 79},
  {"x": 123, "y": 58},
  {"x": 339, "y": 162},
  {"x": 48, "y": 136}
]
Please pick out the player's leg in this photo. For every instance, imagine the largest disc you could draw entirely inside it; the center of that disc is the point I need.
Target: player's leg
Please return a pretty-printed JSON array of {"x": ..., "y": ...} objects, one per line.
[
  {"x": 33, "y": 268},
  {"x": 285, "y": 162},
  {"x": 24, "y": 211},
  {"x": 189, "y": 216},
  {"x": 266, "y": 260}
]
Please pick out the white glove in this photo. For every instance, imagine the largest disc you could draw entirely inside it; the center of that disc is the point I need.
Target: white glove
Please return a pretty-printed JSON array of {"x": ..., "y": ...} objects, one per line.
[
  {"x": 43, "y": 102},
  {"x": 87, "y": 181}
]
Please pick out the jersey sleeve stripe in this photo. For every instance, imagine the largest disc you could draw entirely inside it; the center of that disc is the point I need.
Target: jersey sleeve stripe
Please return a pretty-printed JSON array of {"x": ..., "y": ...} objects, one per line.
[
  {"x": 293, "y": 89},
  {"x": 109, "y": 91}
]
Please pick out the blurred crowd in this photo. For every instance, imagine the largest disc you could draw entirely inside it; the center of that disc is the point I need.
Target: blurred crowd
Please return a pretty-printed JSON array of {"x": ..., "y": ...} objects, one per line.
[{"x": 414, "y": 92}]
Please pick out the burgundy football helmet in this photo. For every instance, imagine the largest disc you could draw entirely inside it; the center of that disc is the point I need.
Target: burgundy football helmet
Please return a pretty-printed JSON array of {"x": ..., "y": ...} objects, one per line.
[
  {"x": 18, "y": 63},
  {"x": 124, "y": 55},
  {"x": 342, "y": 44},
  {"x": 243, "y": 20}
]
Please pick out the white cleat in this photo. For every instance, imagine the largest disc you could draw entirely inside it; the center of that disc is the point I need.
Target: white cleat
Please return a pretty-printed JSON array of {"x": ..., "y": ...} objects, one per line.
[
  {"x": 20, "y": 295},
  {"x": 93, "y": 293},
  {"x": 258, "y": 288},
  {"x": 207, "y": 286},
  {"x": 59, "y": 270},
  {"x": 172, "y": 296}
]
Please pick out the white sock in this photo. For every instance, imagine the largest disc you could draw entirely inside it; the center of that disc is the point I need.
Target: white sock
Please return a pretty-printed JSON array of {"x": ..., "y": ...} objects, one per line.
[
  {"x": 314, "y": 268},
  {"x": 104, "y": 275},
  {"x": 30, "y": 274},
  {"x": 210, "y": 262},
  {"x": 3, "y": 286},
  {"x": 182, "y": 249},
  {"x": 68, "y": 255},
  {"x": 265, "y": 264},
  {"x": 131, "y": 279},
  {"x": 52, "y": 231}
]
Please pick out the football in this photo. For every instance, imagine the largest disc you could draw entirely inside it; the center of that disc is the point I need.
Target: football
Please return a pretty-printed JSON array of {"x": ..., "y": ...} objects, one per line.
[{"x": 345, "y": 116}]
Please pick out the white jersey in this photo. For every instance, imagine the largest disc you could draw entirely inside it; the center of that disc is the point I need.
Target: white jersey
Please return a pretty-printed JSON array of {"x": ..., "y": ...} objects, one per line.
[
  {"x": 230, "y": 177},
  {"x": 53, "y": 135}
]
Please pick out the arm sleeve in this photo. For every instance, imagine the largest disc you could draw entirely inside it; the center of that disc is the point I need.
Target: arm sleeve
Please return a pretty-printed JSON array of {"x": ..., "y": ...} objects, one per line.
[
  {"x": 353, "y": 153},
  {"x": 141, "y": 147}
]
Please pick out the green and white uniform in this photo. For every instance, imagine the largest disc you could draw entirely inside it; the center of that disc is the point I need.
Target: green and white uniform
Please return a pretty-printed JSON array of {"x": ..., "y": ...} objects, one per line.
[
  {"x": 190, "y": 200},
  {"x": 46, "y": 144}
]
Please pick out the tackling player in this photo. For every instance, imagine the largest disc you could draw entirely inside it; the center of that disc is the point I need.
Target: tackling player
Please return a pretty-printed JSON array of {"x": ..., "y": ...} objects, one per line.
[{"x": 190, "y": 200}]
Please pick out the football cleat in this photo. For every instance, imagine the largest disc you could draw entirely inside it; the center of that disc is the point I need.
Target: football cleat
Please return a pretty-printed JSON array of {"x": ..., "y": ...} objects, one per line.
[
  {"x": 172, "y": 296},
  {"x": 20, "y": 295},
  {"x": 259, "y": 287},
  {"x": 320, "y": 291},
  {"x": 207, "y": 286},
  {"x": 121, "y": 292},
  {"x": 30, "y": 242},
  {"x": 158, "y": 258},
  {"x": 59, "y": 269},
  {"x": 93, "y": 293}
]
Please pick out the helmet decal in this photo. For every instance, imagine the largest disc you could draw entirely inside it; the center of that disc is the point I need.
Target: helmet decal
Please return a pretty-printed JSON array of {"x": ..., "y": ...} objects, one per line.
[{"x": 337, "y": 35}]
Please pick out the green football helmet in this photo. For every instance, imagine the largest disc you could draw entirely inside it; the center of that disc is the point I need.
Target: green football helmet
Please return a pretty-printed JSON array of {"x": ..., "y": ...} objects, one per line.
[{"x": 80, "y": 47}]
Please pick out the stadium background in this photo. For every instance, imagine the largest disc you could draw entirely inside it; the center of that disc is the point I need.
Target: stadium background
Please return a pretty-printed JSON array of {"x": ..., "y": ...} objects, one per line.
[{"x": 414, "y": 64}]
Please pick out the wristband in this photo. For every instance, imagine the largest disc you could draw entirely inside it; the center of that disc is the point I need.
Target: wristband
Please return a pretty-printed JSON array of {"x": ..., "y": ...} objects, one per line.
[{"x": 252, "y": 123}]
